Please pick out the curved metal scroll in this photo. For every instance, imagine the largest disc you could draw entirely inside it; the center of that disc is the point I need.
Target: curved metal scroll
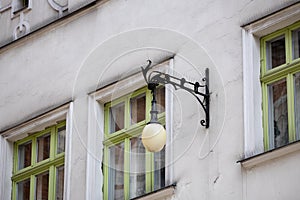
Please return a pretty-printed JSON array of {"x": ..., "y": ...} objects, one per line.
[{"x": 154, "y": 78}]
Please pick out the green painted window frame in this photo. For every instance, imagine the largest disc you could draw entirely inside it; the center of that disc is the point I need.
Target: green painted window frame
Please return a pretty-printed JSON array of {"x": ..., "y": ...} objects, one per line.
[
  {"x": 124, "y": 135},
  {"x": 284, "y": 71},
  {"x": 50, "y": 164}
]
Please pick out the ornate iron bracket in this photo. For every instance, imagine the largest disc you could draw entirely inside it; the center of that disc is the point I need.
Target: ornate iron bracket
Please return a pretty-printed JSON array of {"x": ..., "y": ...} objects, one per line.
[{"x": 154, "y": 78}]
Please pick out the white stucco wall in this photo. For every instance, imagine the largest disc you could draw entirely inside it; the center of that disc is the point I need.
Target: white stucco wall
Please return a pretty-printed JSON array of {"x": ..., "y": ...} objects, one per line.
[{"x": 112, "y": 41}]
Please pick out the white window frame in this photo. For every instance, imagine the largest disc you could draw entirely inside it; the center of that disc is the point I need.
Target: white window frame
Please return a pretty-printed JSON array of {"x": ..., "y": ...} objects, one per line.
[
  {"x": 94, "y": 178},
  {"x": 251, "y": 34},
  {"x": 8, "y": 137}
]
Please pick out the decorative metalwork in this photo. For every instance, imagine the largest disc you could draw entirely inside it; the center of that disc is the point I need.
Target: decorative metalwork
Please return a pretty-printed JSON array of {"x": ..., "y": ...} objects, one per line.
[{"x": 154, "y": 78}]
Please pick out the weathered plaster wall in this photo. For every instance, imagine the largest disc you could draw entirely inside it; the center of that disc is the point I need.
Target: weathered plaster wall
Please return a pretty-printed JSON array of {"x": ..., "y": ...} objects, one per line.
[{"x": 113, "y": 41}]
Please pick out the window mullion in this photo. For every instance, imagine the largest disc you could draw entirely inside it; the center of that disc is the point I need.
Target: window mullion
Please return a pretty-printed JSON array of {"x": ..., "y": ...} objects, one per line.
[
  {"x": 288, "y": 46},
  {"x": 149, "y": 171},
  {"x": 52, "y": 177},
  {"x": 265, "y": 116},
  {"x": 14, "y": 189},
  {"x": 127, "y": 121},
  {"x": 126, "y": 168},
  {"x": 148, "y": 105},
  {"x": 291, "y": 115},
  {"x": 52, "y": 143},
  {"x": 32, "y": 187},
  {"x": 54, "y": 147},
  {"x": 127, "y": 113},
  {"x": 33, "y": 152},
  {"x": 149, "y": 155},
  {"x": 106, "y": 121},
  {"x": 15, "y": 159},
  {"x": 105, "y": 172},
  {"x": 263, "y": 58}
]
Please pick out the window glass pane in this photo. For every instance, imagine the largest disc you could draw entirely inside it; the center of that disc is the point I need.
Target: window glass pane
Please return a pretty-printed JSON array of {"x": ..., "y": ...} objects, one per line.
[
  {"x": 42, "y": 184},
  {"x": 275, "y": 52},
  {"x": 61, "y": 137},
  {"x": 278, "y": 114},
  {"x": 297, "y": 104},
  {"x": 117, "y": 117},
  {"x": 138, "y": 108},
  {"x": 24, "y": 155},
  {"x": 159, "y": 169},
  {"x": 160, "y": 98},
  {"x": 43, "y": 147},
  {"x": 296, "y": 43},
  {"x": 60, "y": 171},
  {"x": 116, "y": 172},
  {"x": 23, "y": 190},
  {"x": 137, "y": 168}
]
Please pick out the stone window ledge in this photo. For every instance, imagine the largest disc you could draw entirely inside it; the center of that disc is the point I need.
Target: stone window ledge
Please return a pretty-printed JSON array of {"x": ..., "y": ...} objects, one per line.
[
  {"x": 160, "y": 194},
  {"x": 269, "y": 155}
]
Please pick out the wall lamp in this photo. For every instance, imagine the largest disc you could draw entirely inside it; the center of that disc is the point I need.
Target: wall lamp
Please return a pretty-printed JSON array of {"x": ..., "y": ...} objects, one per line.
[{"x": 154, "y": 134}]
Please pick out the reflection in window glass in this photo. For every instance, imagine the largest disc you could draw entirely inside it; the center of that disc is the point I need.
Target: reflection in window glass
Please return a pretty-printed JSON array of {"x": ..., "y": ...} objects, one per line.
[
  {"x": 278, "y": 114},
  {"x": 59, "y": 183},
  {"x": 137, "y": 108},
  {"x": 61, "y": 137},
  {"x": 275, "y": 52},
  {"x": 24, "y": 155},
  {"x": 159, "y": 169},
  {"x": 43, "y": 147},
  {"x": 117, "y": 117},
  {"x": 160, "y": 98},
  {"x": 296, "y": 43},
  {"x": 116, "y": 172},
  {"x": 23, "y": 190},
  {"x": 297, "y": 104},
  {"x": 42, "y": 185},
  {"x": 137, "y": 168}
]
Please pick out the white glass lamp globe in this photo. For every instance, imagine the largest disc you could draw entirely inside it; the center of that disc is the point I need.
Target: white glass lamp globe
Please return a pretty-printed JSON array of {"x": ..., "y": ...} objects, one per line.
[{"x": 154, "y": 137}]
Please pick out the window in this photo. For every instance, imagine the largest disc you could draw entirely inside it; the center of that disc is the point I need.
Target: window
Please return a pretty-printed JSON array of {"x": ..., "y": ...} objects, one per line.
[
  {"x": 280, "y": 79},
  {"x": 129, "y": 170},
  {"x": 38, "y": 170},
  {"x": 20, "y": 5}
]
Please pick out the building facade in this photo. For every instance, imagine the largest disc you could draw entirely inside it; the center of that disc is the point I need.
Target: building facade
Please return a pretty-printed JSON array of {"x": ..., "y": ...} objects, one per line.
[{"x": 74, "y": 100}]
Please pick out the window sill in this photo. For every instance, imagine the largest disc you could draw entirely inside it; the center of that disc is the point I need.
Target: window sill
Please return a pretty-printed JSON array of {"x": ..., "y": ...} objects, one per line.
[
  {"x": 162, "y": 193},
  {"x": 250, "y": 162},
  {"x": 20, "y": 9}
]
